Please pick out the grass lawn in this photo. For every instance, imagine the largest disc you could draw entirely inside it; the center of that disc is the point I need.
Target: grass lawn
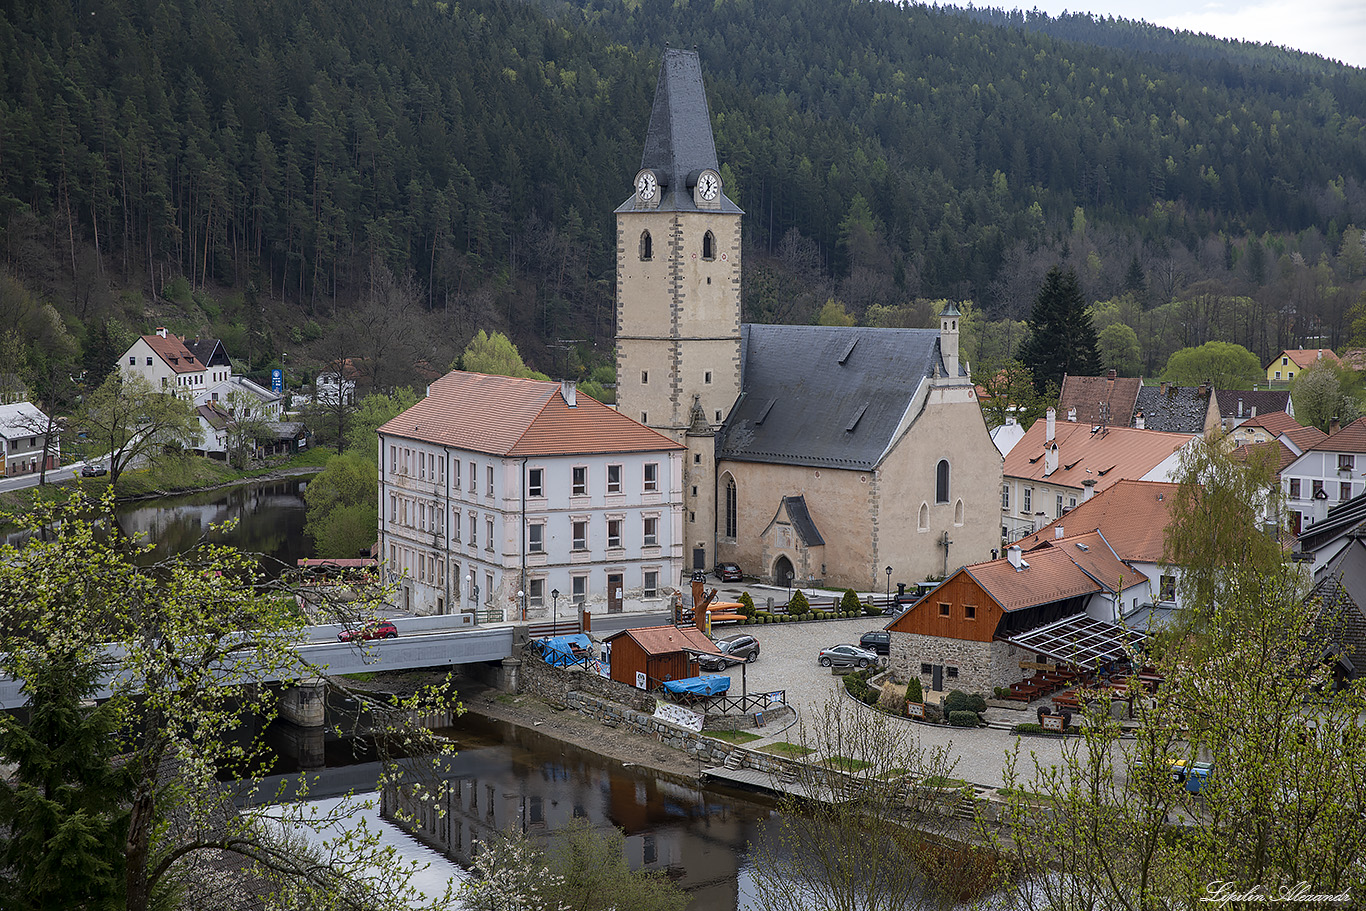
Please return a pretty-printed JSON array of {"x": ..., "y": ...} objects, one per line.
[
  {"x": 785, "y": 749},
  {"x": 845, "y": 764},
  {"x": 736, "y": 737}
]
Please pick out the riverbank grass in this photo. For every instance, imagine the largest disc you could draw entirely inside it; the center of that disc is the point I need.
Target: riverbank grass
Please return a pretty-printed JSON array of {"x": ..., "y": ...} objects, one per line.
[
  {"x": 787, "y": 750},
  {"x": 845, "y": 764},
  {"x": 736, "y": 737}
]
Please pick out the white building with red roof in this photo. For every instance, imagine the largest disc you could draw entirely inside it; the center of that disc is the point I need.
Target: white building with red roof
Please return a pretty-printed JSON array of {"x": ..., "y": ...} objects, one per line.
[
  {"x": 493, "y": 487},
  {"x": 1327, "y": 472},
  {"x": 1059, "y": 465}
]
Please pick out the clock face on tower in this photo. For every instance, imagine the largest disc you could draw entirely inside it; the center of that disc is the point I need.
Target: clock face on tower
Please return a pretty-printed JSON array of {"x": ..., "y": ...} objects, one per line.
[
  {"x": 647, "y": 186},
  {"x": 708, "y": 186}
]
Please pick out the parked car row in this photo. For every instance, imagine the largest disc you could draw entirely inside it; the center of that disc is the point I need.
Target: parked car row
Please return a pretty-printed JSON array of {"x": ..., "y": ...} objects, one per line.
[{"x": 732, "y": 650}]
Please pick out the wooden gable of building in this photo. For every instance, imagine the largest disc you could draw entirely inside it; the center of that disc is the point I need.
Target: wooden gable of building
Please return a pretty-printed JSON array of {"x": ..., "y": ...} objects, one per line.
[{"x": 958, "y": 609}]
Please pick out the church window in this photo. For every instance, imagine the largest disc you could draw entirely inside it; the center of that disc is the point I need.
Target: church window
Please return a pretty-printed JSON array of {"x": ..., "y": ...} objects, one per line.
[
  {"x": 732, "y": 507},
  {"x": 644, "y": 377},
  {"x": 647, "y": 249},
  {"x": 709, "y": 246},
  {"x": 958, "y": 513},
  {"x": 941, "y": 481},
  {"x": 706, "y": 377},
  {"x": 923, "y": 524}
]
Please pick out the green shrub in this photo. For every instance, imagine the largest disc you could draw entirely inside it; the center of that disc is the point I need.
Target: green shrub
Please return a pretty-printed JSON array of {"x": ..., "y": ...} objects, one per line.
[
  {"x": 850, "y": 601},
  {"x": 957, "y": 701},
  {"x": 747, "y": 605},
  {"x": 964, "y": 719},
  {"x": 1002, "y": 692},
  {"x": 857, "y": 686},
  {"x": 798, "y": 603},
  {"x": 933, "y": 713},
  {"x": 976, "y": 703},
  {"x": 914, "y": 692}
]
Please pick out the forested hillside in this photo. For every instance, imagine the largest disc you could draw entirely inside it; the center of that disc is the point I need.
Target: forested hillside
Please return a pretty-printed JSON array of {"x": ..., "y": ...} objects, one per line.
[{"x": 263, "y": 170}]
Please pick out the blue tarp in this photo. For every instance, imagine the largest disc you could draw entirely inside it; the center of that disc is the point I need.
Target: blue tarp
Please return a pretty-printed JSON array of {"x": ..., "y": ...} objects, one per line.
[
  {"x": 558, "y": 651},
  {"x": 699, "y": 686}
]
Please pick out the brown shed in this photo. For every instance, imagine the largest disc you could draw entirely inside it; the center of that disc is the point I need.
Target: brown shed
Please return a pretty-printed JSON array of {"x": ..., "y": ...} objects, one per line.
[{"x": 659, "y": 652}]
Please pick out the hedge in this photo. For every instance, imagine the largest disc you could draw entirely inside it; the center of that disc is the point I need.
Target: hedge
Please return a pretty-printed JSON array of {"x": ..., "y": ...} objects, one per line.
[{"x": 964, "y": 719}]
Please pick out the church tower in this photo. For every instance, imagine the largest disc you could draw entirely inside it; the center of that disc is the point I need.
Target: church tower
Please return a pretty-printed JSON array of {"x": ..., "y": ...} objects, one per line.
[{"x": 678, "y": 292}]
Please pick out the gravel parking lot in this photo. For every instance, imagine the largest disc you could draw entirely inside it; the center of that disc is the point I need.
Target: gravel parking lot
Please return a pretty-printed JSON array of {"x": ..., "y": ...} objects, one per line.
[{"x": 787, "y": 661}]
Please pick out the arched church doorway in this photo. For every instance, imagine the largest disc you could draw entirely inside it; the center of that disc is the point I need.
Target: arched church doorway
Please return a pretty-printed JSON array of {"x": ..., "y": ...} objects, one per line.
[{"x": 783, "y": 573}]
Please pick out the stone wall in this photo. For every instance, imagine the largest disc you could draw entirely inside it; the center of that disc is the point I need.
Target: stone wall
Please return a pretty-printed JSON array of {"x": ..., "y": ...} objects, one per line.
[
  {"x": 612, "y": 714},
  {"x": 976, "y": 662},
  {"x": 554, "y": 684}
]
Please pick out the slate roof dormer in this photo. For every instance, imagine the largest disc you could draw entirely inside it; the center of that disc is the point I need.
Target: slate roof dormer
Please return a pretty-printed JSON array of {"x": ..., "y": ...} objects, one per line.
[{"x": 679, "y": 143}]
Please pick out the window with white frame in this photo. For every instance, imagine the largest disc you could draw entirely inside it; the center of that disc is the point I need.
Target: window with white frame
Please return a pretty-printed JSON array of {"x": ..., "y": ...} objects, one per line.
[
  {"x": 650, "y": 586},
  {"x": 474, "y": 530},
  {"x": 579, "y": 538},
  {"x": 455, "y": 473},
  {"x": 651, "y": 477},
  {"x": 614, "y": 479},
  {"x": 535, "y": 482},
  {"x": 650, "y": 535},
  {"x": 488, "y": 481},
  {"x": 535, "y": 592},
  {"x": 613, "y": 532},
  {"x": 578, "y": 590},
  {"x": 474, "y": 477},
  {"x": 1028, "y": 495},
  {"x": 1005, "y": 496},
  {"x": 1346, "y": 461},
  {"x": 579, "y": 474},
  {"x": 535, "y": 538},
  {"x": 455, "y": 525},
  {"x": 488, "y": 531}
]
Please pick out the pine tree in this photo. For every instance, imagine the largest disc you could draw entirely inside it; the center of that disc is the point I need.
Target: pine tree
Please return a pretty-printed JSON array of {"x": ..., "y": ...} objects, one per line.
[
  {"x": 63, "y": 816},
  {"x": 1062, "y": 339}
]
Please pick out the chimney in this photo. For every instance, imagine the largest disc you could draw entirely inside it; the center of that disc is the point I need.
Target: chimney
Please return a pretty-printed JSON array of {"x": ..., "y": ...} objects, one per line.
[
  {"x": 1140, "y": 422},
  {"x": 1334, "y": 426},
  {"x": 1110, "y": 375},
  {"x": 1254, "y": 411},
  {"x": 1240, "y": 408},
  {"x": 1013, "y": 554},
  {"x": 1072, "y": 415},
  {"x": 1204, "y": 390},
  {"x": 161, "y": 331},
  {"x": 1050, "y": 428},
  {"x": 1050, "y": 460},
  {"x": 1088, "y": 489},
  {"x": 1058, "y": 532},
  {"x": 569, "y": 390}
]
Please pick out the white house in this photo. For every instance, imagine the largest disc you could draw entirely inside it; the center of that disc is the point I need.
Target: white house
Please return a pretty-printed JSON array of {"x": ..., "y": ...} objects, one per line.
[
  {"x": 495, "y": 493},
  {"x": 168, "y": 363},
  {"x": 337, "y": 384},
  {"x": 22, "y": 428},
  {"x": 1328, "y": 472},
  {"x": 1059, "y": 465}
]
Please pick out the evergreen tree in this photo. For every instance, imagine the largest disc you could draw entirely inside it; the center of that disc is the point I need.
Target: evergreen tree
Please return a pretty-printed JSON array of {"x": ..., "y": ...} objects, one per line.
[
  {"x": 1061, "y": 337},
  {"x": 63, "y": 815}
]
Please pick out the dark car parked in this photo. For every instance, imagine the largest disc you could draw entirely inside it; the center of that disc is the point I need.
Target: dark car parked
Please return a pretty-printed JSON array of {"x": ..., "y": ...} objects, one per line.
[
  {"x": 877, "y": 640},
  {"x": 729, "y": 572},
  {"x": 730, "y": 650}
]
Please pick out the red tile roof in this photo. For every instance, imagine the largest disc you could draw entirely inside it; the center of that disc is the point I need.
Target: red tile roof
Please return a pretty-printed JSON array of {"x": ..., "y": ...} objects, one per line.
[
  {"x": 1304, "y": 437},
  {"x": 1085, "y": 393},
  {"x": 666, "y": 640},
  {"x": 1282, "y": 457},
  {"x": 1055, "y": 572},
  {"x": 1106, "y": 457},
  {"x": 1351, "y": 438},
  {"x": 506, "y": 416},
  {"x": 172, "y": 350},
  {"x": 1275, "y": 422},
  {"x": 1132, "y": 515}
]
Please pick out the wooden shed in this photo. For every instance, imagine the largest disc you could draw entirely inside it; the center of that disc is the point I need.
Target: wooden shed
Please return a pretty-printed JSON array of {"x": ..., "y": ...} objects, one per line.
[{"x": 659, "y": 652}]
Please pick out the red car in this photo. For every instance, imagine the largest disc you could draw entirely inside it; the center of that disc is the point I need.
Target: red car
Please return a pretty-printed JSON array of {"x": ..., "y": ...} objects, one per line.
[{"x": 382, "y": 630}]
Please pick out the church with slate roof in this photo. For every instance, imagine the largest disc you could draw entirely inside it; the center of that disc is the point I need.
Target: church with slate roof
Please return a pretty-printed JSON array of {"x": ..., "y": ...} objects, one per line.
[{"x": 815, "y": 454}]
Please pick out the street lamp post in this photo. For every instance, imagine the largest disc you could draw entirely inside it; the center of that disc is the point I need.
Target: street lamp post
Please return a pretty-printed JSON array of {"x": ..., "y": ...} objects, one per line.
[
  {"x": 521, "y": 601},
  {"x": 555, "y": 617},
  {"x": 889, "y": 586}
]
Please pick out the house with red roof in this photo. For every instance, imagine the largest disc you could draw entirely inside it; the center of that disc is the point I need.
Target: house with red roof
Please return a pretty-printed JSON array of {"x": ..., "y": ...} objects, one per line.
[
  {"x": 1329, "y": 471},
  {"x": 496, "y": 494},
  {"x": 1059, "y": 465},
  {"x": 1285, "y": 365},
  {"x": 980, "y": 626},
  {"x": 654, "y": 654}
]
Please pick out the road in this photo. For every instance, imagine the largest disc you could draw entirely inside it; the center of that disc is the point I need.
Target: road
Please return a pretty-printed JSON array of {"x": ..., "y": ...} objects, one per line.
[{"x": 787, "y": 661}]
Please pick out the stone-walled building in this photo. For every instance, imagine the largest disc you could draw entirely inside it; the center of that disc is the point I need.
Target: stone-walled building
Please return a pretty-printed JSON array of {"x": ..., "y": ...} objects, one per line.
[{"x": 814, "y": 453}]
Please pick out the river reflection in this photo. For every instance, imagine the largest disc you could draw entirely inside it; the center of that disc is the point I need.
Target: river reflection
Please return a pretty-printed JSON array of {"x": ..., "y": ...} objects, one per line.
[
  {"x": 270, "y": 521},
  {"x": 510, "y": 778}
]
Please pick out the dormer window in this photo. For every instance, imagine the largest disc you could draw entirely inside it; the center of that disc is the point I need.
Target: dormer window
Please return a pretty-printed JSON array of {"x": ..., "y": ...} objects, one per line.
[
  {"x": 647, "y": 251},
  {"x": 709, "y": 246}
]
